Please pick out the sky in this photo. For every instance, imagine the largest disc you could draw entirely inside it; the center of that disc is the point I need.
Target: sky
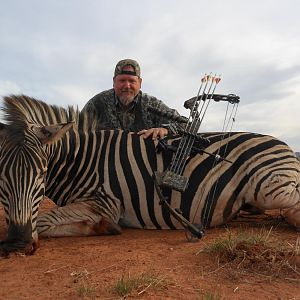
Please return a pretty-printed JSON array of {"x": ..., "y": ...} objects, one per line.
[{"x": 64, "y": 52}]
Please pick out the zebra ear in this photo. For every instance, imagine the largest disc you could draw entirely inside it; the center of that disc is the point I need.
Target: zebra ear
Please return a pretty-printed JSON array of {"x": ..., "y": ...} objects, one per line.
[
  {"x": 3, "y": 131},
  {"x": 51, "y": 133}
]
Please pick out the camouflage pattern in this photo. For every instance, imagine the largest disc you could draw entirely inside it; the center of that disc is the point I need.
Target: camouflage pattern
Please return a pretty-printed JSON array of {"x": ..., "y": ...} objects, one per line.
[
  {"x": 138, "y": 116},
  {"x": 127, "y": 62}
]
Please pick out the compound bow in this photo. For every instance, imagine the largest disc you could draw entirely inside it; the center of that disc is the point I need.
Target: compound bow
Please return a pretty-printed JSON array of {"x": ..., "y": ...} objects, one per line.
[{"x": 190, "y": 142}]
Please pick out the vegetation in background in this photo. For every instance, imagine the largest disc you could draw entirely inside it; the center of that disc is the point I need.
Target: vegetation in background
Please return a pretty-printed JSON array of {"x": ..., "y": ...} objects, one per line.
[{"x": 258, "y": 251}]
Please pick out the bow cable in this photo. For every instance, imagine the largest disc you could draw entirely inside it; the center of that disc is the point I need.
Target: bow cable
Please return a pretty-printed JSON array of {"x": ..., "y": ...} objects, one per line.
[{"x": 227, "y": 121}]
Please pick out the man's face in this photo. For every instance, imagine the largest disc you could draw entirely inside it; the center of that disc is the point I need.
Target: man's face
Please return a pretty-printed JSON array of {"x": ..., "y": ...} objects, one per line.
[{"x": 127, "y": 86}]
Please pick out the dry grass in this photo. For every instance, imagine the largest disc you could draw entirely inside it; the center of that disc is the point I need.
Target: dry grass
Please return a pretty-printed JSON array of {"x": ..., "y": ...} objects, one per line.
[
  {"x": 129, "y": 285},
  {"x": 211, "y": 296},
  {"x": 258, "y": 251},
  {"x": 85, "y": 289}
]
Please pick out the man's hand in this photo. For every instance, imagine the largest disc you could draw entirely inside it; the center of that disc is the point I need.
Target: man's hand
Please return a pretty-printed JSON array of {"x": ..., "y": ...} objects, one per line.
[{"x": 154, "y": 132}]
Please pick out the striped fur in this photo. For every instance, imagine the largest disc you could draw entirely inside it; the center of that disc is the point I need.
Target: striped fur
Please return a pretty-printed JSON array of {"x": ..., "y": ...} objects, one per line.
[{"x": 101, "y": 178}]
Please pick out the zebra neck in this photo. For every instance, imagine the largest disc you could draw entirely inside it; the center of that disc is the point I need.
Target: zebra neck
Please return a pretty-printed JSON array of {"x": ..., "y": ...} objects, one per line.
[{"x": 64, "y": 158}]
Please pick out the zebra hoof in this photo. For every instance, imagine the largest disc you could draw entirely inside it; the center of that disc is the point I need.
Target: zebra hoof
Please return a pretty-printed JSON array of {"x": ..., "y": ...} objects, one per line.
[
  {"x": 292, "y": 215},
  {"x": 107, "y": 227}
]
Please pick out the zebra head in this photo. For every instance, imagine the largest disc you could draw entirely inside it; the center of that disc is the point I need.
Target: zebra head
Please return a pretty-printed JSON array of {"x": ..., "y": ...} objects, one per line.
[{"x": 23, "y": 167}]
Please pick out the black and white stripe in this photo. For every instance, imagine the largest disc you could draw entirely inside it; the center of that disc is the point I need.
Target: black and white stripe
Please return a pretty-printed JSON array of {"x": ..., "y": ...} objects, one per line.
[{"x": 264, "y": 171}]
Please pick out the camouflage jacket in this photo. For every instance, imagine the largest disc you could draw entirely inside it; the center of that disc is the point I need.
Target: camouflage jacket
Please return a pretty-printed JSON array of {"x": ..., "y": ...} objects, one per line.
[{"x": 144, "y": 112}]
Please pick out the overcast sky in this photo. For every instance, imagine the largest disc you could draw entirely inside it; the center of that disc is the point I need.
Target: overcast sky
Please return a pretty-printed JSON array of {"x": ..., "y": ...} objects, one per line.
[{"x": 64, "y": 52}]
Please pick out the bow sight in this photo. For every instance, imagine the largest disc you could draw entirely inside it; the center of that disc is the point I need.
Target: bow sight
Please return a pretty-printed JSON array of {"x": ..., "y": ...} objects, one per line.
[{"x": 190, "y": 142}]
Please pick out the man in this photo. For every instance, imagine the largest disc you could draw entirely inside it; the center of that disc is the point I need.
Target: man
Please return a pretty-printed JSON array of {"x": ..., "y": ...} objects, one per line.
[{"x": 126, "y": 107}]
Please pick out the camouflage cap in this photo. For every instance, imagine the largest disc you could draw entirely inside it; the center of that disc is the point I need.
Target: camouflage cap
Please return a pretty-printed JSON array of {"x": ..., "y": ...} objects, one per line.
[{"x": 128, "y": 62}]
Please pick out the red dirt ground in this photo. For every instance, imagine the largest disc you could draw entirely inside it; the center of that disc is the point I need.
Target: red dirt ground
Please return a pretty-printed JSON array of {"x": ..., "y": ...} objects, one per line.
[{"x": 90, "y": 268}]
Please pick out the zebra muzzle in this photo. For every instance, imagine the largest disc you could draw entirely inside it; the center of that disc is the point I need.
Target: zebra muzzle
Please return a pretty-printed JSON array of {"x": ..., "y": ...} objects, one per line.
[{"x": 19, "y": 239}]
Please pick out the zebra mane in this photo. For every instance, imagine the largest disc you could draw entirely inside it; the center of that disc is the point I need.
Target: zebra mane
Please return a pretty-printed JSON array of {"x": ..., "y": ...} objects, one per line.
[{"x": 21, "y": 110}]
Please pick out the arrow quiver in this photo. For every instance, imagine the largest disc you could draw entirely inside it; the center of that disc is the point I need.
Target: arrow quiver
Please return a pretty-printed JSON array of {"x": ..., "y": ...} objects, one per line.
[{"x": 190, "y": 142}]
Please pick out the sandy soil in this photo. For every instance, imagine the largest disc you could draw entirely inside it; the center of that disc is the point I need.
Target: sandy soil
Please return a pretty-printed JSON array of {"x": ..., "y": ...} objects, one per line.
[{"x": 162, "y": 264}]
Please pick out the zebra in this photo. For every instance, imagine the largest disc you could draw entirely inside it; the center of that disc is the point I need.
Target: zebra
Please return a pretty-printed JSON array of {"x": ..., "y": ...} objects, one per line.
[{"x": 101, "y": 180}]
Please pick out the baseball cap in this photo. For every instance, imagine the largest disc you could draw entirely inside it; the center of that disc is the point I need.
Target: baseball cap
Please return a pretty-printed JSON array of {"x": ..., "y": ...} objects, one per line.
[{"x": 128, "y": 62}]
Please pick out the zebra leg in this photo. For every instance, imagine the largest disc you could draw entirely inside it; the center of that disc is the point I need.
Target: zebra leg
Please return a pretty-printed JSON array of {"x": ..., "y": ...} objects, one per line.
[
  {"x": 84, "y": 218},
  {"x": 292, "y": 215}
]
